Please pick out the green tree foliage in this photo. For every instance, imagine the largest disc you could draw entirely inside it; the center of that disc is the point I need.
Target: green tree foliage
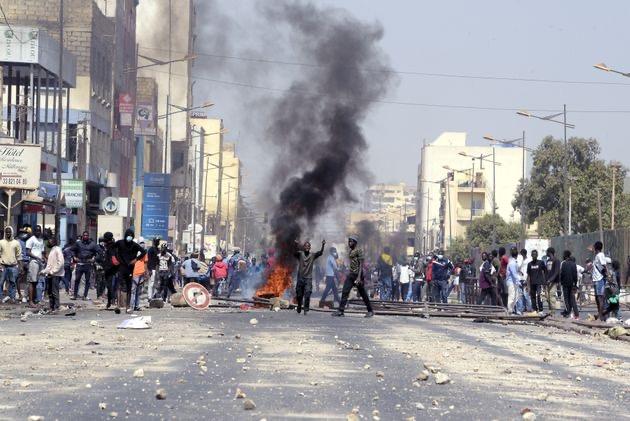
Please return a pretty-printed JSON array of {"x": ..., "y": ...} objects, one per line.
[
  {"x": 543, "y": 193},
  {"x": 459, "y": 249},
  {"x": 479, "y": 234}
]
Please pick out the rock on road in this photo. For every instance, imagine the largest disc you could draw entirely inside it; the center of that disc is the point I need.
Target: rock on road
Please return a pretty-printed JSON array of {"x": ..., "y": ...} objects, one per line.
[{"x": 217, "y": 365}]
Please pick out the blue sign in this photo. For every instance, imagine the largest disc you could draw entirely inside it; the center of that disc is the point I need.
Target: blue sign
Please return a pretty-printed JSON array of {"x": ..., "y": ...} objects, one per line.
[{"x": 156, "y": 202}]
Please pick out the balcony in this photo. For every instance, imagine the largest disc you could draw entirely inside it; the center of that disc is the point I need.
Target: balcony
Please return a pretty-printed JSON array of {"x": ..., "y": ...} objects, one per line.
[
  {"x": 478, "y": 184},
  {"x": 463, "y": 214}
]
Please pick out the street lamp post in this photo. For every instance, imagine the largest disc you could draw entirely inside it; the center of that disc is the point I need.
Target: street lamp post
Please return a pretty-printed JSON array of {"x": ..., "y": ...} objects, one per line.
[{"x": 565, "y": 125}]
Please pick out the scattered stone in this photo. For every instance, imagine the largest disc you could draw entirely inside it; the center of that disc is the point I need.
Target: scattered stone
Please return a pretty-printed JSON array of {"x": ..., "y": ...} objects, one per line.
[
  {"x": 35, "y": 418},
  {"x": 237, "y": 336},
  {"x": 113, "y": 414},
  {"x": 139, "y": 373},
  {"x": 528, "y": 414},
  {"x": 431, "y": 368},
  {"x": 249, "y": 405},
  {"x": 253, "y": 322},
  {"x": 435, "y": 403},
  {"x": 441, "y": 378},
  {"x": 88, "y": 386},
  {"x": 423, "y": 376},
  {"x": 366, "y": 367},
  {"x": 160, "y": 394},
  {"x": 415, "y": 384},
  {"x": 352, "y": 417},
  {"x": 102, "y": 406},
  {"x": 419, "y": 406},
  {"x": 380, "y": 374},
  {"x": 94, "y": 323},
  {"x": 542, "y": 397},
  {"x": 23, "y": 319},
  {"x": 578, "y": 379},
  {"x": 239, "y": 394},
  {"x": 24, "y": 385},
  {"x": 507, "y": 371}
]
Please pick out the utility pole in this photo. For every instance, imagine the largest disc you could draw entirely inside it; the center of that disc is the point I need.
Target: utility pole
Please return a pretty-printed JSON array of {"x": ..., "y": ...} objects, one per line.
[
  {"x": 614, "y": 166},
  {"x": 522, "y": 210},
  {"x": 566, "y": 178},
  {"x": 59, "y": 124},
  {"x": 220, "y": 192},
  {"x": 472, "y": 191},
  {"x": 193, "y": 234},
  {"x": 494, "y": 197},
  {"x": 599, "y": 216},
  {"x": 227, "y": 219}
]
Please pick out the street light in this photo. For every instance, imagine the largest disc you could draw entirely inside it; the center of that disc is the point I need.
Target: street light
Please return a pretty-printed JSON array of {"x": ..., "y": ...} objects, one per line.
[
  {"x": 565, "y": 161},
  {"x": 602, "y": 66}
]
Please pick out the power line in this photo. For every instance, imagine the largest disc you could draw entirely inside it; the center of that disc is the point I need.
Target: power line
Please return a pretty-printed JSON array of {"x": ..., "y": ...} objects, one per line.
[
  {"x": 396, "y": 102},
  {"x": 4, "y": 16},
  {"x": 403, "y": 72}
]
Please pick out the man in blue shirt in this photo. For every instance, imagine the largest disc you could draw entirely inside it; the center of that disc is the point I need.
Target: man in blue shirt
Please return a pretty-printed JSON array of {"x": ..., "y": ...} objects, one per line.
[
  {"x": 512, "y": 280},
  {"x": 331, "y": 275}
]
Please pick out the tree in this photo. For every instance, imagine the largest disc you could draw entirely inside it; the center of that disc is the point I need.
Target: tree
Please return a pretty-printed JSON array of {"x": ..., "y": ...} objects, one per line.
[
  {"x": 479, "y": 234},
  {"x": 459, "y": 249},
  {"x": 543, "y": 193}
]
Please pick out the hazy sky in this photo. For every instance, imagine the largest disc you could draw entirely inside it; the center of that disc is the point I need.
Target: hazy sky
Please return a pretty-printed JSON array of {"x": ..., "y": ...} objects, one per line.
[{"x": 539, "y": 39}]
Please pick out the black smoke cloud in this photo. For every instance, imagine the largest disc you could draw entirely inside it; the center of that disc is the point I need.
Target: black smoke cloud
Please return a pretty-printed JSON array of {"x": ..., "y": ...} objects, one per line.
[{"x": 317, "y": 123}]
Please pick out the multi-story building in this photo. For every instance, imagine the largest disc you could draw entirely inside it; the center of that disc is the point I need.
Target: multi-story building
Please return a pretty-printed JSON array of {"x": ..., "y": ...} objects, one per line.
[
  {"x": 454, "y": 188},
  {"x": 88, "y": 35},
  {"x": 393, "y": 202}
]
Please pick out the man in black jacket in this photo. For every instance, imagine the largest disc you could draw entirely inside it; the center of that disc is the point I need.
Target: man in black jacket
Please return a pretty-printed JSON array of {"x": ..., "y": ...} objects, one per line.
[
  {"x": 85, "y": 253},
  {"x": 553, "y": 277},
  {"x": 152, "y": 265},
  {"x": 568, "y": 280},
  {"x": 127, "y": 252}
]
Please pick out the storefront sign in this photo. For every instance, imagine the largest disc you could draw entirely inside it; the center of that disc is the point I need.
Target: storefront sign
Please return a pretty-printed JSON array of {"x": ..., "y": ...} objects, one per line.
[
  {"x": 19, "y": 166},
  {"x": 19, "y": 44},
  {"x": 125, "y": 108},
  {"x": 74, "y": 193},
  {"x": 156, "y": 202},
  {"x": 145, "y": 120}
]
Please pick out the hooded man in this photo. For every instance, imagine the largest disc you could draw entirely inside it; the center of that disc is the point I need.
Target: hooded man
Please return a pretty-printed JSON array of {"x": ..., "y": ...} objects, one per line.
[
  {"x": 85, "y": 252},
  {"x": 304, "y": 285},
  {"x": 10, "y": 255},
  {"x": 127, "y": 252},
  {"x": 354, "y": 279},
  {"x": 219, "y": 273},
  {"x": 331, "y": 274}
]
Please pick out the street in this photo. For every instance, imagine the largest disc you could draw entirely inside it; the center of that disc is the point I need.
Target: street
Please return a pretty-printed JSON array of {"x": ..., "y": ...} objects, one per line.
[{"x": 303, "y": 367}]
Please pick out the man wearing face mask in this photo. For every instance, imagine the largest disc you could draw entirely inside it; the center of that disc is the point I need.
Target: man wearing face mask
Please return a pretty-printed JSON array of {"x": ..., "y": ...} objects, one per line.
[
  {"x": 331, "y": 277},
  {"x": 127, "y": 252},
  {"x": 10, "y": 255},
  {"x": 85, "y": 252}
]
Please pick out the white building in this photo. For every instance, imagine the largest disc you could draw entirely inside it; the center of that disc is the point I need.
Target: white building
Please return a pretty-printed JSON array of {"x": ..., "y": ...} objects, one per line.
[{"x": 447, "y": 204}]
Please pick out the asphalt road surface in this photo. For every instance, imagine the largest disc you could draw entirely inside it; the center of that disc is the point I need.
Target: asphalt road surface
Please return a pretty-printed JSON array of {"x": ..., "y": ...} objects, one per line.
[{"x": 303, "y": 367}]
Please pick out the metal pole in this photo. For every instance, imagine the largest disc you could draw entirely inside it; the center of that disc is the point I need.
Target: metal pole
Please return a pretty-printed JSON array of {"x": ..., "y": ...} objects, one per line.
[
  {"x": 227, "y": 219},
  {"x": 566, "y": 178},
  {"x": 599, "y": 216},
  {"x": 200, "y": 180},
  {"x": 612, "y": 203},
  {"x": 194, "y": 204},
  {"x": 494, "y": 197},
  {"x": 165, "y": 167},
  {"x": 10, "y": 193},
  {"x": 523, "y": 226},
  {"x": 472, "y": 191},
  {"x": 219, "y": 191},
  {"x": 426, "y": 236},
  {"x": 570, "y": 208},
  {"x": 59, "y": 121}
]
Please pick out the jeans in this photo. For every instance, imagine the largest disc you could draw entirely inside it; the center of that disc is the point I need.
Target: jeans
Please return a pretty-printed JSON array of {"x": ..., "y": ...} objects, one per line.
[
  {"x": 331, "y": 286},
  {"x": 440, "y": 292},
  {"x": 385, "y": 283},
  {"x": 136, "y": 290},
  {"x": 511, "y": 300},
  {"x": 523, "y": 300},
  {"x": 303, "y": 290},
  {"x": 67, "y": 277},
  {"x": 80, "y": 271},
  {"x": 235, "y": 283},
  {"x": 535, "y": 293},
  {"x": 9, "y": 275},
  {"x": 111, "y": 282},
  {"x": 569, "y": 300},
  {"x": 404, "y": 290},
  {"x": 463, "y": 292},
  {"x": 151, "y": 285},
  {"x": 416, "y": 291},
  {"x": 52, "y": 287},
  {"x": 348, "y": 284}
]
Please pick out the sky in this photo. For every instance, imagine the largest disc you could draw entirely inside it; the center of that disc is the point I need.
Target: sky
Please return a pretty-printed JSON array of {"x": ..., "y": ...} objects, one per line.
[{"x": 537, "y": 39}]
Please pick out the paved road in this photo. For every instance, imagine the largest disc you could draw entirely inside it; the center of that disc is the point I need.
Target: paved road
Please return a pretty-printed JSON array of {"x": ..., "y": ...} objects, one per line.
[{"x": 297, "y": 367}]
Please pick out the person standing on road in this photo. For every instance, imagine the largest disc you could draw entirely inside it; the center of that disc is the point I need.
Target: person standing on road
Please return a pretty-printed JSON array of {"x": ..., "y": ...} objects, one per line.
[
  {"x": 523, "y": 300},
  {"x": 68, "y": 257},
  {"x": 10, "y": 255},
  {"x": 140, "y": 275},
  {"x": 486, "y": 271},
  {"x": 35, "y": 250},
  {"x": 553, "y": 278},
  {"x": 404, "y": 279},
  {"x": 85, "y": 252},
  {"x": 219, "y": 274},
  {"x": 354, "y": 279},
  {"x": 331, "y": 273},
  {"x": 166, "y": 261},
  {"x": 54, "y": 272},
  {"x": 127, "y": 253},
  {"x": 304, "y": 285},
  {"x": 502, "y": 287},
  {"x": 569, "y": 280},
  {"x": 512, "y": 280},
  {"x": 442, "y": 268},
  {"x": 536, "y": 278},
  {"x": 599, "y": 274},
  {"x": 152, "y": 264}
]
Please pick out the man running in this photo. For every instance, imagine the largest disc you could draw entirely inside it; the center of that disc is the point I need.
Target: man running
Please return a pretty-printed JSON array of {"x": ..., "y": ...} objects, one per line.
[
  {"x": 354, "y": 279},
  {"x": 331, "y": 277}
]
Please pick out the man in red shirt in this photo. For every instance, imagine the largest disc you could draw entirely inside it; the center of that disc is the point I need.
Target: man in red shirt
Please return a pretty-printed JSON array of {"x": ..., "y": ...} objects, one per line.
[
  {"x": 429, "y": 277},
  {"x": 504, "y": 259}
]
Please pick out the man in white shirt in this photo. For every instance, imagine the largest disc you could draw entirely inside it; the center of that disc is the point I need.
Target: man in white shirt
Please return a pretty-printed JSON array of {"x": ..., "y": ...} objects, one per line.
[
  {"x": 600, "y": 272},
  {"x": 35, "y": 250},
  {"x": 523, "y": 300}
]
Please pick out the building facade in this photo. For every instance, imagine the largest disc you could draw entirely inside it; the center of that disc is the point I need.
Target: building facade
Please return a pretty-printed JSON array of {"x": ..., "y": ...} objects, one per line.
[{"x": 454, "y": 188}]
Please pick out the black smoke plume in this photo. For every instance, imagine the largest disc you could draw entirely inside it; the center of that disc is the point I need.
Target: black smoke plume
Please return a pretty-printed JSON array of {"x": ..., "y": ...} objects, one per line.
[{"x": 317, "y": 123}]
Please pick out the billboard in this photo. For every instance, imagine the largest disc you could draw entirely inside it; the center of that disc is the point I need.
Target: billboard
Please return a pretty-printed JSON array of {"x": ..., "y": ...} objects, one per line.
[
  {"x": 74, "y": 193},
  {"x": 145, "y": 120},
  {"x": 125, "y": 108},
  {"x": 19, "y": 166},
  {"x": 156, "y": 202},
  {"x": 20, "y": 45}
]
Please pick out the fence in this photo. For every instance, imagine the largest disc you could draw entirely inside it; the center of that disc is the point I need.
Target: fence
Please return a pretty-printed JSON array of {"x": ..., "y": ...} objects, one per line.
[{"x": 616, "y": 244}]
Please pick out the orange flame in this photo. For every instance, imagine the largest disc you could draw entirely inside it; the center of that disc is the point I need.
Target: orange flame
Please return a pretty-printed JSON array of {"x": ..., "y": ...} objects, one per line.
[{"x": 278, "y": 281}]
